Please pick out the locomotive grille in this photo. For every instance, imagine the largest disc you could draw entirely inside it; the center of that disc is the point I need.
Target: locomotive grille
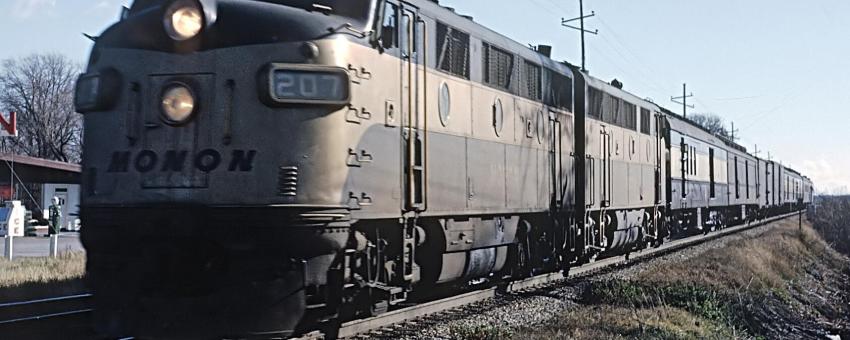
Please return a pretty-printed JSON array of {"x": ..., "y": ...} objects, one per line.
[{"x": 287, "y": 181}]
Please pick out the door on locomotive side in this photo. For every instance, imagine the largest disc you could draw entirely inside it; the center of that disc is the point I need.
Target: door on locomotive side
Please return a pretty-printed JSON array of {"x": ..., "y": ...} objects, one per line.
[
  {"x": 413, "y": 56},
  {"x": 660, "y": 158},
  {"x": 605, "y": 168}
]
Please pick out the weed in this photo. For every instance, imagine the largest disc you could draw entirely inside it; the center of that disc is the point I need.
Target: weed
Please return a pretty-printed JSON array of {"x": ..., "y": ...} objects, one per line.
[{"x": 480, "y": 332}]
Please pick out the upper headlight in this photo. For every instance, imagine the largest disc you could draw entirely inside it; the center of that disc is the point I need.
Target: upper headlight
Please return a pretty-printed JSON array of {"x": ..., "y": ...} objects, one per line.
[
  {"x": 184, "y": 20},
  {"x": 178, "y": 104}
]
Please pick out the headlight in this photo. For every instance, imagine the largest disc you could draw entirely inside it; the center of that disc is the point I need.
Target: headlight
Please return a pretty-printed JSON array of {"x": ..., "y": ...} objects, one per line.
[
  {"x": 183, "y": 20},
  {"x": 307, "y": 84},
  {"x": 178, "y": 104}
]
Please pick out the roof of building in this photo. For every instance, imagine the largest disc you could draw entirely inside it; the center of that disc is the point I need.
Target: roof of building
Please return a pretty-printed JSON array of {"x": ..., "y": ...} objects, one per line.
[{"x": 38, "y": 170}]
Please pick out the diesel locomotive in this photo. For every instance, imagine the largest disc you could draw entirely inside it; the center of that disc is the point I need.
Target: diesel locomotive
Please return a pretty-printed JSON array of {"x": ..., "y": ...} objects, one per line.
[{"x": 266, "y": 167}]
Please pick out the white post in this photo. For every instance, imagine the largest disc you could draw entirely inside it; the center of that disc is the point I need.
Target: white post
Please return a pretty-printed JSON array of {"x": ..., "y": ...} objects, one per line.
[
  {"x": 54, "y": 245},
  {"x": 9, "y": 250}
]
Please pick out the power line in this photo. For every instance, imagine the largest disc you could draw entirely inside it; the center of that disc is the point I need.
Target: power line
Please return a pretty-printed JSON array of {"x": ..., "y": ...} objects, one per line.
[
  {"x": 624, "y": 71},
  {"x": 558, "y": 5}
]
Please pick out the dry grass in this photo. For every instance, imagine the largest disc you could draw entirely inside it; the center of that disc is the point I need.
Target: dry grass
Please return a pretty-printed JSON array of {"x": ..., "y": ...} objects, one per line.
[
  {"x": 762, "y": 264},
  {"x": 67, "y": 266},
  {"x": 755, "y": 287},
  {"x": 26, "y": 278},
  {"x": 616, "y": 322}
]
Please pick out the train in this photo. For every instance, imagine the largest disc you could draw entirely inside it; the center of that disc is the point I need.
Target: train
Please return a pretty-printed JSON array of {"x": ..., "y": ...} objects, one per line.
[{"x": 271, "y": 167}]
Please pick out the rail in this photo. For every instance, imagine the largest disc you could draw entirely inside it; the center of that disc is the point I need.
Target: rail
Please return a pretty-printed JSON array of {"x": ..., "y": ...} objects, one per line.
[{"x": 41, "y": 309}]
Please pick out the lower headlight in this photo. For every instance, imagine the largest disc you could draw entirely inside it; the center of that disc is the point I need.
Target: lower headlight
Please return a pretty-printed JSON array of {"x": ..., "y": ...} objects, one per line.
[
  {"x": 183, "y": 20},
  {"x": 178, "y": 104}
]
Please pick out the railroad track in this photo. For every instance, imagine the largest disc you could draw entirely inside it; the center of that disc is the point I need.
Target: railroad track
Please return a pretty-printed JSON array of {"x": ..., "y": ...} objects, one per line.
[
  {"x": 42, "y": 315},
  {"x": 43, "y": 309},
  {"x": 385, "y": 322},
  {"x": 58, "y": 317}
]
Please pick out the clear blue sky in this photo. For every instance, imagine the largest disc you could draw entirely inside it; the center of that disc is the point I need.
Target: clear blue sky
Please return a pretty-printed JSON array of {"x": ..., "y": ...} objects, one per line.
[{"x": 779, "y": 69}]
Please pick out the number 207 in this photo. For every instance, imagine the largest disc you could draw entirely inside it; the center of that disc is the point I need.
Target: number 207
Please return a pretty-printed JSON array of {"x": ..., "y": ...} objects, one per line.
[{"x": 289, "y": 85}]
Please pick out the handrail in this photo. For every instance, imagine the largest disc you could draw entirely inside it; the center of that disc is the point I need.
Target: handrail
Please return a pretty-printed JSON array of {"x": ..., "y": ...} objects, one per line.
[{"x": 425, "y": 114}]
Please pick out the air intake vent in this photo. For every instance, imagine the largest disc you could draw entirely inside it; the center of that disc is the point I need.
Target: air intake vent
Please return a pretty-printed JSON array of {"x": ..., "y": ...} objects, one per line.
[{"x": 287, "y": 181}]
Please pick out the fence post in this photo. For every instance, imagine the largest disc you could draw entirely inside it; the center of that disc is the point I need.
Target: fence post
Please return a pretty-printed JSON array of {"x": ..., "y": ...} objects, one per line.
[
  {"x": 54, "y": 245},
  {"x": 9, "y": 250}
]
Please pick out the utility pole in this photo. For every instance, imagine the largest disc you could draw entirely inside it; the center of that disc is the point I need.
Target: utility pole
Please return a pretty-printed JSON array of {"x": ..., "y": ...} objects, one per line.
[
  {"x": 733, "y": 132},
  {"x": 566, "y": 23},
  {"x": 684, "y": 100}
]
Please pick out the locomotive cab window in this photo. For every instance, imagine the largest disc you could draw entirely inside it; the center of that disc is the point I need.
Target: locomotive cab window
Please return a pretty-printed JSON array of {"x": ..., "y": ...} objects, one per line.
[{"x": 389, "y": 28}]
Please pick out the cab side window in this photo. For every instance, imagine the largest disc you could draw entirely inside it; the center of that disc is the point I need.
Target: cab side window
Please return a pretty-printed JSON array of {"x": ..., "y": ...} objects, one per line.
[{"x": 389, "y": 27}]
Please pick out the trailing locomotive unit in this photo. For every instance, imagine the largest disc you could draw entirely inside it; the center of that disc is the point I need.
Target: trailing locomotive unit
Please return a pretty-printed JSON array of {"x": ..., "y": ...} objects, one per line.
[
  {"x": 623, "y": 171},
  {"x": 261, "y": 166}
]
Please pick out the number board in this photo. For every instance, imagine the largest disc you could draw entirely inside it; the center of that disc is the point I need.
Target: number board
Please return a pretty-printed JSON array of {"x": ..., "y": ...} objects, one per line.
[{"x": 307, "y": 84}]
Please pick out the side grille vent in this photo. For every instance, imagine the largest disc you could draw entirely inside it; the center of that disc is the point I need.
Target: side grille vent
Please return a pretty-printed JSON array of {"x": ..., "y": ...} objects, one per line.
[{"x": 287, "y": 181}]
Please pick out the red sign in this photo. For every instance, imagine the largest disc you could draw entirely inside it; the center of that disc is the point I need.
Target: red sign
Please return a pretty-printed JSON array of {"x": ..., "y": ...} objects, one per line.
[
  {"x": 6, "y": 192},
  {"x": 9, "y": 126}
]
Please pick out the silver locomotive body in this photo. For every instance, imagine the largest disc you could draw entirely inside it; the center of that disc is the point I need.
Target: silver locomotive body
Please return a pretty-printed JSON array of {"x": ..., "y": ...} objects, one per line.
[
  {"x": 234, "y": 206},
  {"x": 264, "y": 167}
]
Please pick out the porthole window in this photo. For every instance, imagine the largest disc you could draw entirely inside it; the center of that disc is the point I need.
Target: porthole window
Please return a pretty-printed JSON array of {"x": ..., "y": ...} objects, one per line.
[
  {"x": 445, "y": 104},
  {"x": 498, "y": 117},
  {"x": 541, "y": 126}
]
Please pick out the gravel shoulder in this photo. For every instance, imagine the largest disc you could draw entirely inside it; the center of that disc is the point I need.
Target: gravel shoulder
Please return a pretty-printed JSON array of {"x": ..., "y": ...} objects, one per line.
[{"x": 577, "y": 308}]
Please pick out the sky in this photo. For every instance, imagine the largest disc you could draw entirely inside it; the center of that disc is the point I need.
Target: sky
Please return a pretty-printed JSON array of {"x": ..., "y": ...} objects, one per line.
[{"x": 777, "y": 69}]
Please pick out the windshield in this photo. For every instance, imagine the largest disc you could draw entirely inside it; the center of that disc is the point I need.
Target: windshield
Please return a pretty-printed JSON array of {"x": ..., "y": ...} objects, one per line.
[{"x": 357, "y": 9}]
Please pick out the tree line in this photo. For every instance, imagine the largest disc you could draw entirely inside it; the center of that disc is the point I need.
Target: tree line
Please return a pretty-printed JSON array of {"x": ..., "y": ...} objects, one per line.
[
  {"x": 40, "y": 89},
  {"x": 831, "y": 217}
]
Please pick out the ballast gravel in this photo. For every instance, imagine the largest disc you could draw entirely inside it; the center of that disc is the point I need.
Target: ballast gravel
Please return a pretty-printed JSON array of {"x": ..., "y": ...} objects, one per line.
[{"x": 513, "y": 311}]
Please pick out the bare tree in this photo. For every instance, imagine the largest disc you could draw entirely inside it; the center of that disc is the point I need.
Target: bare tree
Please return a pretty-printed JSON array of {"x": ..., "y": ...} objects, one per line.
[
  {"x": 40, "y": 89},
  {"x": 711, "y": 122}
]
